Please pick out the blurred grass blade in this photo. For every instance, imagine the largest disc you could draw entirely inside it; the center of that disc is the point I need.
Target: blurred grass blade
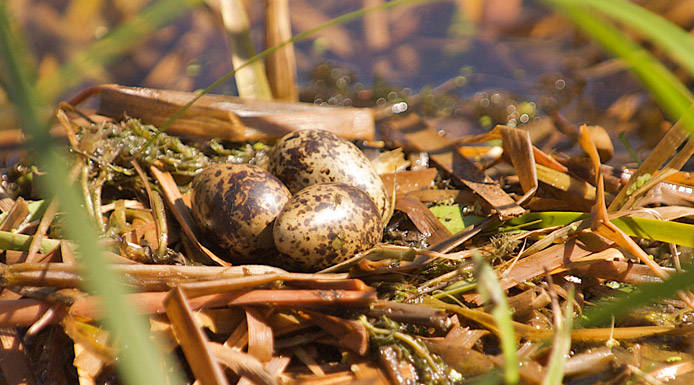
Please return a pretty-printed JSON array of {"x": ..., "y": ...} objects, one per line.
[
  {"x": 667, "y": 36},
  {"x": 674, "y": 98},
  {"x": 561, "y": 345},
  {"x": 489, "y": 288},
  {"x": 140, "y": 362},
  {"x": 118, "y": 42},
  {"x": 251, "y": 81}
]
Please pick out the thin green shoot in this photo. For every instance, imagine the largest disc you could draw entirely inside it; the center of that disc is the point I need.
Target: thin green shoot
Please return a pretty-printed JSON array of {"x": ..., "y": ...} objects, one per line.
[
  {"x": 489, "y": 288},
  {"x": 630, "y": 150}
]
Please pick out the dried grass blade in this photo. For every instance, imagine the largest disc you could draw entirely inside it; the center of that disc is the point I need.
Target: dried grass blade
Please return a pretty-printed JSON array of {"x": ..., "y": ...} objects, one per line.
[
  {"x": 260, "y": 335},
  {"x": 519, "y": 148},
  {"x": 88, "y": 364},
  {"x": 535, "y": 264},
  {"x": 281, "y": 64},
  {"x": 411, "y": 313},
  {"x": 672, "y": 371},
  {"x": 242, "y": 364},
  {"x": 192, "y": 340},
  {"x": 17, "y": 214},
  {"x": 621, "y": 271},
  {"x": 461, "y": 237},
  {"x": 423, "y": 219},
  {"x": 406, "y": 182}
]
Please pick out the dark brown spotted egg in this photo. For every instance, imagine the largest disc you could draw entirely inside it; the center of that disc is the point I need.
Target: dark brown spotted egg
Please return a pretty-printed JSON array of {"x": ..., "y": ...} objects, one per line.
[
  {"x": 235, "y": 206},
  {"x": 306, "y": 157},
  {"x": 325, "y": 224}
]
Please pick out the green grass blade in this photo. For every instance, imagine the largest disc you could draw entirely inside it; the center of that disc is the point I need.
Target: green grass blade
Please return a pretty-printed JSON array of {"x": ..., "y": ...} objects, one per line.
[
  {"x": 654, "y": 229},
  {"x": 673, "y": 97},
  {"x": 140, "y": 363},
  {"x": 667, "y": 36},
  {"x": 118, "y": 42},
  {"x": 489, "y": 288}
]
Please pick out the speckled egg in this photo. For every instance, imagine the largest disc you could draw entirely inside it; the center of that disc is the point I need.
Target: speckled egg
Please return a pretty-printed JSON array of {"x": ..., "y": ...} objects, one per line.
[
  {"x": 307, "y": 157},
  {"x": 325, "y": 224},
  {"x": 235, "y": 206}
]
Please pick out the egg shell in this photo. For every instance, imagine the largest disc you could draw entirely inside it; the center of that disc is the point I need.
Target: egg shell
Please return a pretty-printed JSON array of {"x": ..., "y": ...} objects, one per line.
[
  {"x": 306, "y": 157},
  {"x": 325, "y": 224},
  {"x": 235, "y": 206}
]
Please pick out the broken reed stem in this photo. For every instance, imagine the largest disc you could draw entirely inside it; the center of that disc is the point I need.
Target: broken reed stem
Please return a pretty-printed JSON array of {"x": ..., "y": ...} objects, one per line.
[
  {"x": 153, "y": 303},
  {"x": 197, "y": 280}
]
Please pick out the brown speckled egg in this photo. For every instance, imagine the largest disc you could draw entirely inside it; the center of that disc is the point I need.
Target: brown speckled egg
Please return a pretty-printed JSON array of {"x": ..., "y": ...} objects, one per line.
[
  {"x": 325, "y": 224},
  {"x": 235, "y": 206},
  {"x": 307, "y": 157}
]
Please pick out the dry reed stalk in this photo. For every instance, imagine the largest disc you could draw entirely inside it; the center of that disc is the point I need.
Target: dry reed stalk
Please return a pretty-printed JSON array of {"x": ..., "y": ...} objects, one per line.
[
  {"x": 281, "y": 64},
  {"x": 153, "y": 303},
  {"x": 21, "y": 312},
  {"x": 227, "y": 117},
  {"x": 250, "y": 80}
]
